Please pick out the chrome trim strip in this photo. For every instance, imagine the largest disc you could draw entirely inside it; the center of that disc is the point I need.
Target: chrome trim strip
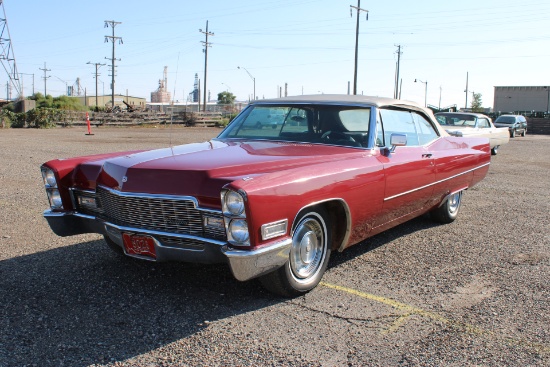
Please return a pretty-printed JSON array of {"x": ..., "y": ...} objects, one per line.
[
  {"x": 135, "y": 230},
  {"x": 166, "y": 234},
  {"x": 161, "y": 196},
  {"x": 348, "y": 219},
  {"x": 435, "y": 183},
  {"x": 149, "y": 196}
]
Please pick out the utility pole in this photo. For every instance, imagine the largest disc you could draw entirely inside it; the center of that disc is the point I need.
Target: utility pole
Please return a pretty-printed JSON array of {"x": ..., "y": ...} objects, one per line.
[
  {"x": 397, "y": 93},
  {"x": 45, "y": 77},
  {"x": 206, "y": 45},
  {"x": 113, "y": 24},
  {"x": 22, "y": 80},
  {"x": 425, "y": 91},
  {"x": 358, "y": 8},
  {"x": 466, "y": 91},
  {"x": 253, "y": 82},
  {"x": 97, "y": 66}
]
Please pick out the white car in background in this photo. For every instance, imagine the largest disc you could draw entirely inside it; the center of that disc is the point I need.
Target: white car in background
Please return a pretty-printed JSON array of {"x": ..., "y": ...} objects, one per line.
[{"x": 473, "y": 125}]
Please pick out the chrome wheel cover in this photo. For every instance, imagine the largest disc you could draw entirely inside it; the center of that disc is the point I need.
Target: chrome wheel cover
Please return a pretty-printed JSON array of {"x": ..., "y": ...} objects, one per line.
[
  {"x": 454, "y": 202},
  {"x": 308, "y": 248}
]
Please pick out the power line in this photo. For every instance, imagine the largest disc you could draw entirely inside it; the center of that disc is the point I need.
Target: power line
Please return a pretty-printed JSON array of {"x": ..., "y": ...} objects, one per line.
[{"x": 113, "y": 24}]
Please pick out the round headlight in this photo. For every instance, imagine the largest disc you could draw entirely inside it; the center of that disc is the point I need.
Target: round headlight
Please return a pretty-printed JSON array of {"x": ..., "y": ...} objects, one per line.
[
  {"x": 239, "y": 230},
  {"x": 55, "y": 199},
  {"x": 234, "y": 203},
  {"x": 49, "y": 178}
]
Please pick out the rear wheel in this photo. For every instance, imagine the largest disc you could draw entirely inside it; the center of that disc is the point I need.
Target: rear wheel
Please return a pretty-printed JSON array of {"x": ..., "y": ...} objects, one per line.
[
  {"x": 448, "y": 211},
  {"x": 494, "y": 150},
  {"x": 308, "y": 257}
]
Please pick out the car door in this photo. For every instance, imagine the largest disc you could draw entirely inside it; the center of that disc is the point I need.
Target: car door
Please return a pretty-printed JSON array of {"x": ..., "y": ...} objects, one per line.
[{"x": 409, "y": 170}]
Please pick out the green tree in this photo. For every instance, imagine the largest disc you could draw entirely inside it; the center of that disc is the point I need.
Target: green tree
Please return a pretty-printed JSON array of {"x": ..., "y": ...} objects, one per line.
[
  {"x": 476, "y": 103},
  {"x": 226, "y": 98}
]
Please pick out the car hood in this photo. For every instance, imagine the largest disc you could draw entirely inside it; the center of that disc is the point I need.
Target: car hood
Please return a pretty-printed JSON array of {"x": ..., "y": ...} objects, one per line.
[{"x": 201, "y": 169}]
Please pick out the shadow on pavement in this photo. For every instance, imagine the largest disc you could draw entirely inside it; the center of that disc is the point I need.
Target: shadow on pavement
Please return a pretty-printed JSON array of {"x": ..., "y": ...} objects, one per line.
[{"x": 83, "y": 304}]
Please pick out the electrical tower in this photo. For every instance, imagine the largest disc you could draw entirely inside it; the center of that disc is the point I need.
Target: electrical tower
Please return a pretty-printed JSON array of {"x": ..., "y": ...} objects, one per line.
[
  {"x": 113, "y": 24},
  {"x": 6, "y": 56},
  {"x": 206, "y": 45}
]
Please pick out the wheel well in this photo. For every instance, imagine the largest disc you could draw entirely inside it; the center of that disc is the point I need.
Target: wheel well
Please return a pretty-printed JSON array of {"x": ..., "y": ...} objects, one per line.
[{"x": 339, "y": 220}]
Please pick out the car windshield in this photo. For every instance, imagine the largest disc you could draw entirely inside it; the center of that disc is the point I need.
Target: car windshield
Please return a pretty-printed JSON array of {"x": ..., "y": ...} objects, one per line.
[
  {"x": 506, "y": 119},
  {"x": 456, "y": 120},
  {"x": 323, "y": 124}
]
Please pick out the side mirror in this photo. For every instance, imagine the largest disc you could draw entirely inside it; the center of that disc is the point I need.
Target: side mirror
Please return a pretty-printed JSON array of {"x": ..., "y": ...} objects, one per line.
[{"x": 397, "y": 140}]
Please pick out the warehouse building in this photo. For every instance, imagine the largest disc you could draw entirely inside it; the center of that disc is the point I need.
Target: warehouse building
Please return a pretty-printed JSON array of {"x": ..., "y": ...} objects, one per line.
[
  {"x": 106, "y": 101},
  {"x": 526, "y": 100}
]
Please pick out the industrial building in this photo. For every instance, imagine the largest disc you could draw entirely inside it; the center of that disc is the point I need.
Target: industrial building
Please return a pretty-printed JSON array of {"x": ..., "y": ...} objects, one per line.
[
  {"x": 522, "y": 99},
  {"x": 105, "y": 101},
  {"x": 161, "y": 95}
]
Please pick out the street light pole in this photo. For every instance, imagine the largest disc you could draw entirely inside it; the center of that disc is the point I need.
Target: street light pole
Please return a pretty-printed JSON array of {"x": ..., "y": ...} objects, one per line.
[
  {"x": 66, "y": 85},
  {"x": 253, "y": 80},
  {"x": 425, "y": 91}
]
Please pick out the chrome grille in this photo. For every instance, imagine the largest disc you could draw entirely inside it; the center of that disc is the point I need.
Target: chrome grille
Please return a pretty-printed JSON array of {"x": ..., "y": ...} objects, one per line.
[{"x": 172, "y": 215}]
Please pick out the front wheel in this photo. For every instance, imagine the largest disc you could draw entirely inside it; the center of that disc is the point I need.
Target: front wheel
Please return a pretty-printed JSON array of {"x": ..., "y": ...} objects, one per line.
[
  {"x": 524, "y": 133},
  {"x": 513, "y": 133},
  {"x": 494, "y": 150},
  {"x": 448, "y": 211},
  {"x": 308, "y": 258}
]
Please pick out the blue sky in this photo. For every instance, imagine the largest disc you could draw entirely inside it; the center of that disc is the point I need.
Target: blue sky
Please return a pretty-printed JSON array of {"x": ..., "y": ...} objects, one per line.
[{"x": 307, "y": 44}]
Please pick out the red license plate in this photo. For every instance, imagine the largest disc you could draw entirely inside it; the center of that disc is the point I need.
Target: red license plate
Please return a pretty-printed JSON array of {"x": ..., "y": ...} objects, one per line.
[{"x": 139, "y": 245}]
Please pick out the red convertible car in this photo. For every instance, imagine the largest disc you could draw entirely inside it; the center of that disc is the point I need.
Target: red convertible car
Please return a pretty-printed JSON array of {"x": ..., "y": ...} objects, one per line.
[{"x": 271, "y": 202}]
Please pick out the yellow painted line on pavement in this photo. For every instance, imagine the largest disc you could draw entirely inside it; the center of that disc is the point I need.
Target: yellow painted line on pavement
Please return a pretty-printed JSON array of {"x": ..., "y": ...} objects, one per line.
[{"x": 411, "y": 311}]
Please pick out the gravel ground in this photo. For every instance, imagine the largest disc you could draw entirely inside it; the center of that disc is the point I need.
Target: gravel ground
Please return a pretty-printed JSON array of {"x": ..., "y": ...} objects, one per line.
[{"x": 471, "y": 293}]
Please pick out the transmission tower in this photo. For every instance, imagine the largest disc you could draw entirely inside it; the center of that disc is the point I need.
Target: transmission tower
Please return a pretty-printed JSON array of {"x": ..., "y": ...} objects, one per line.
[
  {"x": 6, "y": 56},
  {"x": 113, "y": 24}
]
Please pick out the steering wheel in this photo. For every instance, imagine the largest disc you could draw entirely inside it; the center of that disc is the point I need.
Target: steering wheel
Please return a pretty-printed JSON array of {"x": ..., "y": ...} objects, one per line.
[{"x": 335, "y": 135}]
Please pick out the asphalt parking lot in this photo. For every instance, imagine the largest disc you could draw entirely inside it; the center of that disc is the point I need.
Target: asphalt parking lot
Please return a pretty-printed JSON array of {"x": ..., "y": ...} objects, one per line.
[{"x": 472, "y": 293}]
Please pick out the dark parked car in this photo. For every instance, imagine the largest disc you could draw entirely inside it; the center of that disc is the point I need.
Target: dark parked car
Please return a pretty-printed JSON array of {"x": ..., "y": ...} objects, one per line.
[
  {"x": 516, "y": 124},
  {"x": 272, "y": 203}
]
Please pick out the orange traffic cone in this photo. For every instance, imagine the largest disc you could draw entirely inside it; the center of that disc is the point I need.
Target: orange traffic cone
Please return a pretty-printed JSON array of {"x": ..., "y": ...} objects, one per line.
[{"x": 88, "y": 123}]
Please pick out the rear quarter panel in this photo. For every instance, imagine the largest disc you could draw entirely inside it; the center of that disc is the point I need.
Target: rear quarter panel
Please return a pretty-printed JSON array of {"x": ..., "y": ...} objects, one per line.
[{"x": 460, "y": 163}]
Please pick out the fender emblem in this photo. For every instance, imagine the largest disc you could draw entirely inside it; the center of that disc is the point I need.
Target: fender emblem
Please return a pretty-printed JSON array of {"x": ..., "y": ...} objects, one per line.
[{"x": 124, "y": 179}]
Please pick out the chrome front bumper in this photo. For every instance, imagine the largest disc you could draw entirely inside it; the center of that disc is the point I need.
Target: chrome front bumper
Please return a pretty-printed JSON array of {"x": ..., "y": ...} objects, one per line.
[{"x": 244, "y": 264}]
